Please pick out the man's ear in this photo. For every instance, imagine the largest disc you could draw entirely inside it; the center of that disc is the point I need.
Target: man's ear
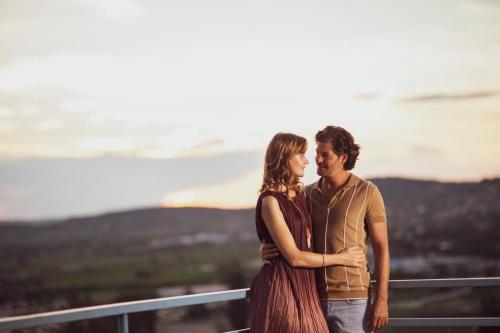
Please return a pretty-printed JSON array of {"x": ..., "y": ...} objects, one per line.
[{"x": 343, "y": 159}]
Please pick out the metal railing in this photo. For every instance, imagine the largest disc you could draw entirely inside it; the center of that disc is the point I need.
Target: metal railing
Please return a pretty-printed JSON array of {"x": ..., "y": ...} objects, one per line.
[{"x": 121, "y": 310}]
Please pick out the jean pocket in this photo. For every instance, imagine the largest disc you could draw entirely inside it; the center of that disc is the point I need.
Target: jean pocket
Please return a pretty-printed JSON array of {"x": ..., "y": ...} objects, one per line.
[{"x": 357, "y": 301}]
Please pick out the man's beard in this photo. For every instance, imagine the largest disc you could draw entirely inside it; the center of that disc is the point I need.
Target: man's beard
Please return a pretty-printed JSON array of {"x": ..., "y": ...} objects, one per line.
[{"x": 321, "y": 171}]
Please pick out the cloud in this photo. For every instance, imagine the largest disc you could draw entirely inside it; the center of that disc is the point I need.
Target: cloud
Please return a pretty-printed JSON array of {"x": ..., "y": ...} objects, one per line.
[
  {"x": 366, "y": 96},
  {"x": 80, "y": 105},
  {"x": 6, "y": 112},
  {"x": 107, "y": 144},
  {"x": 207, "y": 147},
  {"x": 41, "y": 97},
  {"x": 422, "y": 151},
  {"x": 50, "y": 124},
  {"x": 449, "y": 97},
  {"x": 117, "y": 9}
]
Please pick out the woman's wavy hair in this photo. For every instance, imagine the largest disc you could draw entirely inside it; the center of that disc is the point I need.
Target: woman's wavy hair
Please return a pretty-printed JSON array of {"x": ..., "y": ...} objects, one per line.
[
  {"x": 342, "y": 143},
  {"x": 276, "y": 169}
]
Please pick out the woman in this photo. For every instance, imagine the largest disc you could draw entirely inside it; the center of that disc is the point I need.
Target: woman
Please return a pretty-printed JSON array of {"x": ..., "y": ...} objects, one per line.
[{"x": 283, "y": 294}]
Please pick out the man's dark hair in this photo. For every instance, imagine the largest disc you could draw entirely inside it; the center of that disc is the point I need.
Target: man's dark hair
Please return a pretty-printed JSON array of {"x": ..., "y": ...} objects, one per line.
[{"x": 342, "y": 143}]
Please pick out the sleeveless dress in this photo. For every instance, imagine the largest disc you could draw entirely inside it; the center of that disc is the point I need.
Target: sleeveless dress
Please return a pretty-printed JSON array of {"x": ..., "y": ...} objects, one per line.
[{"x": 284, "y": 299}]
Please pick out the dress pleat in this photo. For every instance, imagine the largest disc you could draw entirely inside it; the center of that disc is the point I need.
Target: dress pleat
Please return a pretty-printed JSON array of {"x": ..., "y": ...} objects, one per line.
[{"x": 284, "y": 299}]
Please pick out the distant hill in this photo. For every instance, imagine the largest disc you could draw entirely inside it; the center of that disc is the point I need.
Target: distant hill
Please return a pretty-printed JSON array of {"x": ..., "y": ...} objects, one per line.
[
  {"x": 451, "y": 218},
  {"x": 429, "y": 201},
  {"x": 129, "y": 229}
]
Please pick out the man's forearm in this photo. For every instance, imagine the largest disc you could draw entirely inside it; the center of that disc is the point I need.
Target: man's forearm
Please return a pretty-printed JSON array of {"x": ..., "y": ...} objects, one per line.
[
  {"x": 379, "y": 314},
  {"x": 382, "y": 269}
]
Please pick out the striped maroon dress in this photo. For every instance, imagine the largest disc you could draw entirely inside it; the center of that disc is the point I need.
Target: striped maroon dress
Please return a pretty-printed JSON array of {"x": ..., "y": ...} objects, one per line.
[{"x": 284, "y": 299}]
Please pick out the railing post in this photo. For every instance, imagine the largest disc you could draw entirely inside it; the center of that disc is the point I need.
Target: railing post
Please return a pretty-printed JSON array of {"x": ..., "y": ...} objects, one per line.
[{"x": 123, "y": 323}]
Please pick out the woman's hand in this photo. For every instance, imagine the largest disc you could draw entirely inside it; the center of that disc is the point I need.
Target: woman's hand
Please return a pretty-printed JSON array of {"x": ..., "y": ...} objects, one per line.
[{"x": 353, "y": 256}]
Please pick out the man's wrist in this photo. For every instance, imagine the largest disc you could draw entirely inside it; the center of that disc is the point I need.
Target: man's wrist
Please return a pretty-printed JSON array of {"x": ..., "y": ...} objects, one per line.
[{"x": 381, "y": 297}]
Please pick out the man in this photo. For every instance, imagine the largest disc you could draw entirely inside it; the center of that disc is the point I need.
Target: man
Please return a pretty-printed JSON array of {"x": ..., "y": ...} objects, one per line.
[{"x": 345, "y": 211}]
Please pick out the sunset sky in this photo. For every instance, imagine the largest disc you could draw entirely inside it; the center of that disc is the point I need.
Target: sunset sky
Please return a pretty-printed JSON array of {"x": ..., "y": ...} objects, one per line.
[{"x": 118, "y": 104}]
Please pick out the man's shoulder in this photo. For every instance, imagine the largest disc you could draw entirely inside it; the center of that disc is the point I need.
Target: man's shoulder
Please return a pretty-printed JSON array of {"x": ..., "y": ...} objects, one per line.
[
  {"x": 308, "y": 188},
  {"x": 373, "y": 195},
  {"x": 364, "y": 182}
]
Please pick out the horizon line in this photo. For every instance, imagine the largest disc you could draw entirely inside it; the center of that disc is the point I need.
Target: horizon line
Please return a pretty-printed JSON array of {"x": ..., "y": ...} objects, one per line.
[{"x": 54, "y": 219}]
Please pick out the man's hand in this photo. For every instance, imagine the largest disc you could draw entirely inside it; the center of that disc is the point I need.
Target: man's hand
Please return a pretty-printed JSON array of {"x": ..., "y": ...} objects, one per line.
[
  {"x": 353, "y": 256},
  {"x": 379, "y": 315},
  {"x": 267, "y": 252}
]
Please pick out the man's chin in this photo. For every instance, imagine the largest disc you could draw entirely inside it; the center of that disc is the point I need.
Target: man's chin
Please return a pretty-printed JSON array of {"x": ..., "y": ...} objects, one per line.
[{"x": 321, "y": 172}]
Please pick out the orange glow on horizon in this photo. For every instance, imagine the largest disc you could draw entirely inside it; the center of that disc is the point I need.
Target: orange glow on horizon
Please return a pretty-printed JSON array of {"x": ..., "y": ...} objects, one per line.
[
  {"x": 236, "y": 194},
  {"x": 188, "y": 199}
]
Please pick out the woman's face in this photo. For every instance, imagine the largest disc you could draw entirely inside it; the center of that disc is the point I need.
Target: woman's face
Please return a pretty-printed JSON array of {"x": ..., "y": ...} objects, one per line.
[{"x": 297, "y": 164}]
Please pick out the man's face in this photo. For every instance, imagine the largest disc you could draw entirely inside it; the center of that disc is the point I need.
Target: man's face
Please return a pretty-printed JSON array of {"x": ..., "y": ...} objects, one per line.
[{"x": 328, "y": 163}]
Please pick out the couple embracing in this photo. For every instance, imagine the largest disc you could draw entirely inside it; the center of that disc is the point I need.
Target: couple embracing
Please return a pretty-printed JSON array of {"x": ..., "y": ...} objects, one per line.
[{"x": 314, "y": 240}]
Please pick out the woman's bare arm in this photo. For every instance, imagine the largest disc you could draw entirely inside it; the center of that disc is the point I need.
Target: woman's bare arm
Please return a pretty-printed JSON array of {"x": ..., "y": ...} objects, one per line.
[{"x": 282, "y": 237}]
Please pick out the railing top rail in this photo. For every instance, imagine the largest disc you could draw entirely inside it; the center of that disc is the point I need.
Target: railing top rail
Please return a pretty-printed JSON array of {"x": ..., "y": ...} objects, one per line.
[
  {"x": 10, "y": 323},
  {"x": 446, "y": 322},
  {"x": 91, "y": 312},
  {"x": 444, "y": 283}
]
